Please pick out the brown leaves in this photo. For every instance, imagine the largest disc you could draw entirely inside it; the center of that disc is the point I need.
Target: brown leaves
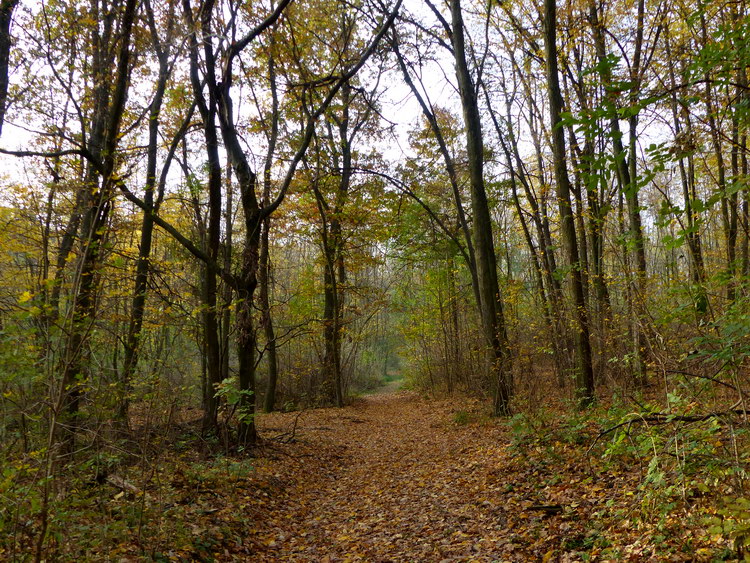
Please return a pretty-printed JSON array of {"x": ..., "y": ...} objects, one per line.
[{"x": 395, "y": 478}]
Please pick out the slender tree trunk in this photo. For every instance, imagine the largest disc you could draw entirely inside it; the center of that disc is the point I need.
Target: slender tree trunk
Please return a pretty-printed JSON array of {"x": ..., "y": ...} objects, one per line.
[
  {"x": 246, "y": 337},
  {"x": 739, "y": 171},
  {"x": 331, "y": 317},
  {"x": 576, "y": 188},
  {"x": 491, "y": 305},
  {"x": 450, "y": 167},
  {"x": 143, "y": 267},
  {"x": 201, "y": 37},
  {"x": 6, "y": 17},
  {"x": 626, "y": 168},
  {"x": 455, "y": 336},
  {"x": 228, "y": 290},
  {"x": 584, "y": 370},
  {"x": 564, "y": 358},
  {"x": 516, "y": 168},
  {"x": 267, "y": 319},
  {"x": 686, "y": 164},
  {"x": 588, "y": 177},
  {"x": 728, "y": 201},
  {"x": 264, "y": 272}
]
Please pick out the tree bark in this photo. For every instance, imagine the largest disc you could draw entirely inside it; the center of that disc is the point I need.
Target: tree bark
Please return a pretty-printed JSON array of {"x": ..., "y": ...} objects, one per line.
[
  {"x": 584, "y": 369},
  {"x": 491, "y": 305}
]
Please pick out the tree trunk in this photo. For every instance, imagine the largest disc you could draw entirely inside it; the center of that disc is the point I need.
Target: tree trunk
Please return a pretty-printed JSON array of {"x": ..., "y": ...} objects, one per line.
[
  {"x": 133, "y": 338},
  {"x": 6, "y": 17},
  {"x": 450, "y": 167},
  {"x": 626, "y": 168},
  {"x": 208, "y": 109},
  {"x": 584, "y": 370},
  {"x": 264, "y": 272},
  {"x": 728, "y": 201},
  {"x": 110, "y": 96},
  {"x": 228, "y": 290},
  {"x": 491, "y": 306},
  {"x": 684, "y": 149},
  {"x": 267, "y": 319}
]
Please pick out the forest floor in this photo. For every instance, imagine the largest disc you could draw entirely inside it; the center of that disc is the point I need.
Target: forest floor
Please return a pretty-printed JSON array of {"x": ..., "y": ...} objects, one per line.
[{"x": 393, "y": 477}]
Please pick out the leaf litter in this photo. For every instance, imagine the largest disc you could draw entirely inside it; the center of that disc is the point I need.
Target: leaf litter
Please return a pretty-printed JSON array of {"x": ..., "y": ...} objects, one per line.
[{"x": 393, "y": 477}]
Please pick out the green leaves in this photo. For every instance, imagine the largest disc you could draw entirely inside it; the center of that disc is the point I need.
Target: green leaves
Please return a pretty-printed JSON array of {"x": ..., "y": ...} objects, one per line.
[
  {"x": 239, "y": 399},
  {"x": 733, "y": 522},
  {"x": 604, "y": 67}
]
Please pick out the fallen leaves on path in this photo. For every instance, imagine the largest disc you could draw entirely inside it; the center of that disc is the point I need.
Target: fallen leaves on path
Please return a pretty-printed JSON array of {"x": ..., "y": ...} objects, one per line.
[{"x": 393, "y": 478}]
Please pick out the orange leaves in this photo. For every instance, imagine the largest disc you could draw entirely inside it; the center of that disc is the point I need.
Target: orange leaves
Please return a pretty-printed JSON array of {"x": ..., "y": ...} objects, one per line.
[{"x": 394, "y": 478}]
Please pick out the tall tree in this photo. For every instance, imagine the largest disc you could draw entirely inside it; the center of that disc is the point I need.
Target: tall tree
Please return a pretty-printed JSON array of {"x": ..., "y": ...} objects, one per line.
[
  {"x": 491, "y": 304},
  {"x": 6, "y": 18},
  {"x": 155, "y": 186},
  {"x": 205, "y": 94},
  {"x": 584, "y": 368},
  {"x": 264, "y": 267},
  {"x": 110, "y": 45}
]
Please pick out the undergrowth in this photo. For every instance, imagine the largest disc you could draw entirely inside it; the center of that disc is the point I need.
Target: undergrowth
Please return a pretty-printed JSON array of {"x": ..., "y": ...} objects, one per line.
[
  {"x": 680, "y": 465},
  {"x": 110, "y": 506}
]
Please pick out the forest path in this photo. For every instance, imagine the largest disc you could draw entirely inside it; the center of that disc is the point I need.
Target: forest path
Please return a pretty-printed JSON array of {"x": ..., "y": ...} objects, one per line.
[
  {"x": 389, "y": 388},
  {"x": 395, "y": 477}
]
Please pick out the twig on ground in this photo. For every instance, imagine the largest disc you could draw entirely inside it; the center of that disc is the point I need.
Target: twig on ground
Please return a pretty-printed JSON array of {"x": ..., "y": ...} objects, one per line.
[
  {"x": 286, "y": 437},
  {"x": 660, "y": 418}
]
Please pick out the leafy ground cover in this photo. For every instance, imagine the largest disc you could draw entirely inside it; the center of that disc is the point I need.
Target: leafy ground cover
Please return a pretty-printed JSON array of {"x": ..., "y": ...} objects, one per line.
[{"x": 397, "y": 477}]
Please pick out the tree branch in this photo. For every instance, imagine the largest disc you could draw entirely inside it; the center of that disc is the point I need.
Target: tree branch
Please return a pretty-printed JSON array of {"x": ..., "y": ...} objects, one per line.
[{"x": 310, "y": 127}]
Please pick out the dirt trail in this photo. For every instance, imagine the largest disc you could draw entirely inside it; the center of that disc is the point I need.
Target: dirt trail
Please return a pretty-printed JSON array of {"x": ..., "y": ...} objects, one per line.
[
  {"x": 393, "y": 478},
  {"x": 393, "y": 386}
]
